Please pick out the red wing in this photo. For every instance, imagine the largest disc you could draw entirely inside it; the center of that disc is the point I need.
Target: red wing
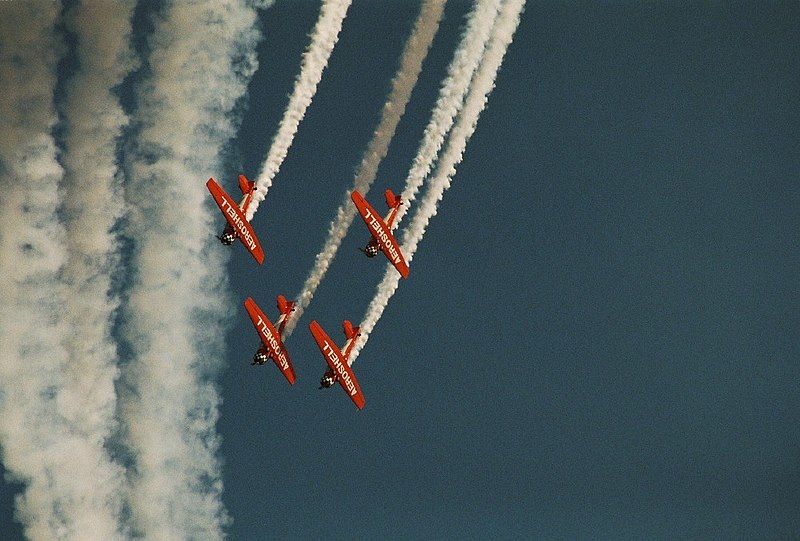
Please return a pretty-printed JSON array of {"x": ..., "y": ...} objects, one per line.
[
  {"x": 233, "y": 214},
  {"x": 381, "y": 233},
  {"x": 271, "y": 339},
  {"x": 338, "y": 364}
]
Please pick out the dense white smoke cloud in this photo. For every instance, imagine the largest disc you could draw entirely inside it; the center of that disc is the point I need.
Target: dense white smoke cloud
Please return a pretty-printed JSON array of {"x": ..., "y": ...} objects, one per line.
[
  {"x": 202, "y": 55},
  {"x": 39, "y": 447},
  {"x": 323, "y": 40},
  {"x": 481, "y": 87},
  {"x": 92, "y": 205},
  {"x": 414, "y": 53}
]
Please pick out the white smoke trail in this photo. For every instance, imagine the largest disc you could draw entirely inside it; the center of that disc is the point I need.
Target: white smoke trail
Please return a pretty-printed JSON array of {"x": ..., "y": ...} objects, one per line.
[
  {"x": 203, "y": 53},
  {"x": 414, "y": 53},
  {"x": 38, "y": 448},
  {"x": 92, "y": 205},
  {"x": 323, "y": 40},
  {"x": 481, "y": 87},
  {"x": 451, "y": 98}
]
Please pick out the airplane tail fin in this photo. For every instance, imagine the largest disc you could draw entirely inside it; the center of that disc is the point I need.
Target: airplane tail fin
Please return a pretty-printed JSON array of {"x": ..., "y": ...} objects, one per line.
[
  {"x": 392, "y": 200},
  {"x": 349, "y": 330},
  {"x": 245, "y": 185},
  {"x": 284, "y": 306}
]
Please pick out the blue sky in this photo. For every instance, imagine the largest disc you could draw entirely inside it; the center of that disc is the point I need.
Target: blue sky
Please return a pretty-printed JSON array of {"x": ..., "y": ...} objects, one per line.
[{"x": 598, "y": 338}]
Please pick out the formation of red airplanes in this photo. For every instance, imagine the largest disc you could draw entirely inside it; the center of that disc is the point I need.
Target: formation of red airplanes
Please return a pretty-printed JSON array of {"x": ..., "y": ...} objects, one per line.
[{"x": 339, "y": 370}]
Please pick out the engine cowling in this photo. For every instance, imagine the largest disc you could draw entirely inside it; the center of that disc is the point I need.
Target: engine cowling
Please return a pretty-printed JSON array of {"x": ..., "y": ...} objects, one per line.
[
  {"x": 227, "y": 238},
  {"x": 327, "y": 380},
  {"x": 371, "y": 250}
]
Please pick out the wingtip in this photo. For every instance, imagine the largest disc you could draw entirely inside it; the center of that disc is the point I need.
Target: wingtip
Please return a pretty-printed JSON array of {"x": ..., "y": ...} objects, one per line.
[{"x": 258, "y": 253}]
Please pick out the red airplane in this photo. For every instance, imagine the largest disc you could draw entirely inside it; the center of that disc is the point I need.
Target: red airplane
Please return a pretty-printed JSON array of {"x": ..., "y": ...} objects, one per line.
[
  {"x": 338, "y": 362},
  {"x": 381, "y": 230},
  {"x": 270, "y": 337},
  {"x": 237, "y": 226}
]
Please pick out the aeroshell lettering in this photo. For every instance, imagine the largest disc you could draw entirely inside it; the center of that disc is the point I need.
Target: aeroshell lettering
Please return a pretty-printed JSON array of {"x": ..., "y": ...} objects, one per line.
[
  {"x": 337, "y": 363},
  {"x": 273, "y": 343},
  {"x": 383, "y": 237},
  {"x": 244, "y": 234}
]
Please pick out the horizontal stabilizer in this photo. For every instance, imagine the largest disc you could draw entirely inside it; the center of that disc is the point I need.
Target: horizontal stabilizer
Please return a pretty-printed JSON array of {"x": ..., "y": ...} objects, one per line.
[
  {"x": 284, "y": 306},
  {"x": 245, "y": 185},
  {"x": 349, "y": 330},
  {"x": 391, "y": 199}
]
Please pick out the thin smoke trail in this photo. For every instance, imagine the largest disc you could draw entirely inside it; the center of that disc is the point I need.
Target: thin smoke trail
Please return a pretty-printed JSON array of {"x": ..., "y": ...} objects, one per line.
[
  {"x": 93, "y": 120},
  {"x": 451, "y": 99},
  {"x": 482, "y": 85},
  {"x": 414, "y": 53},
  {"x": 315, "y": 59},
  {"x": 202, "y": 55}
]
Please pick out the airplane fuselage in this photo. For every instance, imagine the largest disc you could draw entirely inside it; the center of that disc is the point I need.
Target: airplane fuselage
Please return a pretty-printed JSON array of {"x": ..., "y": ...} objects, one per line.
[
  {"x": 373, "y": 247},
  {"x": 271, "y": 347},
  {"x": 229, "y": 234},
  {"x": 380, "y": 238},
  {"x": 330, "y": 377},
  {"x": 338, "y": 361}
]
